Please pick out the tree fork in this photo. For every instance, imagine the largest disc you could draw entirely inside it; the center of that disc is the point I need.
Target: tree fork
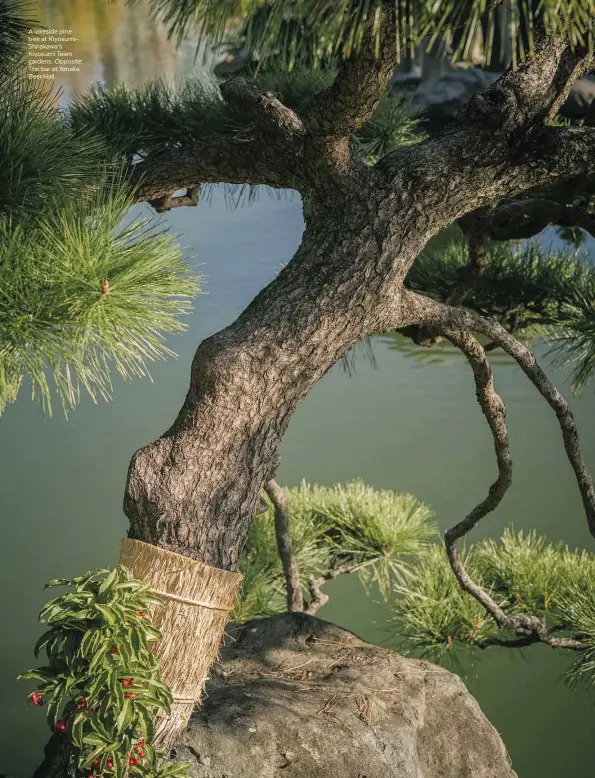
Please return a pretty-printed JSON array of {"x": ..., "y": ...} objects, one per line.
[{"x": 195, "y": 491}]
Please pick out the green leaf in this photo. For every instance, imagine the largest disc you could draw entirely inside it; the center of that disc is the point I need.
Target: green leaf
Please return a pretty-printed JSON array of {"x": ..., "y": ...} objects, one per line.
[
  {"x": 39, "y": 673},
  {"x": 162, "y": 687},
  {"x": 47, "y": 636},
  {"x": 146, "y": 723},
  {"x": 76, "y": 733},
  {"x": 106, "y": 612},
  {"x": 174, "y": 769},
  {"x": 98, "y": 683},
  {"x": 93, "y": 739},
  {"x": 92, "y": 755},
  {"x": 119, "y": 763},
  {"x": 108, "y": 582},
  {"x": 53, "y": 709},
  {"x": 58, "y": 582},
  {"x": 97, "y": 725},
  {"x": 150, "y": 600},
  {"x": 127, "y": 585},
  {"x": 97, "y": 658},
  {"x": 122, "y": 716},
  {"x": 154, "y": 702}
]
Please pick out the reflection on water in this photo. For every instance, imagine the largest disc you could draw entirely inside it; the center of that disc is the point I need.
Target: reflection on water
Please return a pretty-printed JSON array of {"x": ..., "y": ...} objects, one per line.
[{"x": 119, "y": 43}]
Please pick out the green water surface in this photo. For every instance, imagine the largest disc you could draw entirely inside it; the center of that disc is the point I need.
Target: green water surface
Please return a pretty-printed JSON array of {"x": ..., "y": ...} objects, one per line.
[{"x": 403, "y": 425}]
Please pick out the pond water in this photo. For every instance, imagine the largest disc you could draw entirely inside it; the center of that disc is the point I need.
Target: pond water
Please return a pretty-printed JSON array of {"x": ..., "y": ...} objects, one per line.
[{"x": 405, "y": 425}]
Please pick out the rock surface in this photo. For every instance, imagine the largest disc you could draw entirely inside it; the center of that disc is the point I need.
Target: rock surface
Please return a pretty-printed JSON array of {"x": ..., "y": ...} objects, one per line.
[{"x": 297, "y": 696}]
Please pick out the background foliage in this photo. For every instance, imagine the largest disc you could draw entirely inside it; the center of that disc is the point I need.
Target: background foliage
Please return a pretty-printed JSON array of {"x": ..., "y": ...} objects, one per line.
[{"x": 314, "y": 31}]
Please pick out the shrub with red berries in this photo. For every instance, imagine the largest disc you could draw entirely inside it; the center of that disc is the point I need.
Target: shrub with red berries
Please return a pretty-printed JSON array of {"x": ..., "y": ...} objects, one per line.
[{"x": 102, "y": 682}]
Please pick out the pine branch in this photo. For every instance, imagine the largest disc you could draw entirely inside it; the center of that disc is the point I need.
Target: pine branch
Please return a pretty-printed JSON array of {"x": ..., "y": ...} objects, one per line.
[
  {"x": 178, "y": 137},
  {"x": 318, "y": 598},
  {"x": 342, "y": 108},
  {"x": 534, "y": 92},
  {"x": 432, "y": 313},
  {"x": 212, "y": 160},
  {"x": 291, "y": 571},
  {"x": 495, "y": 413},
  {"x": 262, "y": 108}
]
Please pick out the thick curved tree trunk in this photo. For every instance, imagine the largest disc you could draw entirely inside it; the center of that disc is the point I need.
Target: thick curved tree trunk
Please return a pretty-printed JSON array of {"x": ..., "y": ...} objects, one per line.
[{"x": 193, "y": 493}]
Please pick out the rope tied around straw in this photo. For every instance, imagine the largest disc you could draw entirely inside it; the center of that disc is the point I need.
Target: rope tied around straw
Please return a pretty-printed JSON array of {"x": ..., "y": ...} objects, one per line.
[
  {"x": 197, "y": 599},
  {"x": 188, "y": 601}
]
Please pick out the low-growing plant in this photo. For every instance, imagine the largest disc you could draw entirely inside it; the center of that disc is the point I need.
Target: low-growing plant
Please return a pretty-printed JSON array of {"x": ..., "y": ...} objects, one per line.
[{"x": 102, "y": 685}]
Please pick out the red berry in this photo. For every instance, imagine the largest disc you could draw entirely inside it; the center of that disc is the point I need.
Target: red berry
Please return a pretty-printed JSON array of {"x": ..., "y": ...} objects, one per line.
[
  {"x": 142, "y": 614},
  {"x": 114, "y": 650},
  {"x": 129, "y": 695},
  {"x": 60, "y": 727},
  {"x": 127, "y": 681},
  {"x": 95, "y": 762}
]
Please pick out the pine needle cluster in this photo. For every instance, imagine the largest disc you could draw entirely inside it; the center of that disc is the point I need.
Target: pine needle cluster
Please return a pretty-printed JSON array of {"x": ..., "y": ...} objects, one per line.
[
  {"x": 522, "y": 572},
  {"x": 314, "y": 32},
  {"x": 374, "y": 532},
  {"x": 84, "y": 286}
]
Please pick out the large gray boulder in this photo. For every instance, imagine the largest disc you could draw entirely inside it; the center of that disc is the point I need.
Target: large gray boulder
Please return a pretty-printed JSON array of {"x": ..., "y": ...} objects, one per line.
[{"x": 295, "y": 696}]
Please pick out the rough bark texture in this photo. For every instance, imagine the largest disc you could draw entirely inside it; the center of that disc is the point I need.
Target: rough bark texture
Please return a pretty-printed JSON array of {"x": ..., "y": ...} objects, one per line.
[
  {"x": 196, "y": 489},
  {"x": 295, "y": 601},
  {"x": 297, "y": 697}
]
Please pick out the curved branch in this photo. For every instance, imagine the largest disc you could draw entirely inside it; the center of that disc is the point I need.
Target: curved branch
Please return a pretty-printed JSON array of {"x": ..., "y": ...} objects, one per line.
[
  {"x": 533, "y": 92},
  {"x": 431, "y": 313},
  {"x": 523, "y": 640},
  {"x": 317, "y": 597},
  {"x": 262, "y": 108},
  {"x": 342, "y": 108},
  {"x": 522, "y": 219},
  {"x": 495, "y": 412},
  {"x": 291, "y": 571},
  {"x": 272, "y": 156},
  {"x": 212, "y": 160}
]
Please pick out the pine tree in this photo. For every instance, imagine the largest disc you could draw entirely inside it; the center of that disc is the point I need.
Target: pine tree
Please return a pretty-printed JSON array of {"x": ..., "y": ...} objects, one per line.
[
  {"x": 80, "y": 292},
  {"x": 368, "y": 214}
]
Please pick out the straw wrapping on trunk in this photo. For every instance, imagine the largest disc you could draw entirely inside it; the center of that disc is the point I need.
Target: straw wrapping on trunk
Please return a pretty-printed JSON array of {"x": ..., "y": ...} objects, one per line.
[{"x": 197, "y": 600}]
